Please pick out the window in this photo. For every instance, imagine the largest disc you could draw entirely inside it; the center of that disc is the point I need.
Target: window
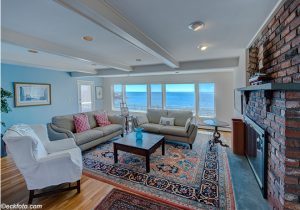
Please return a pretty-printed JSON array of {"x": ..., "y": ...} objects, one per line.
[
  {"x": 156, "y": 96},
  {"x": 180, "y": 96},
  {"x": 117, "y": 96},
  {"x": 136, "y": 97},
  {"x": 207, "y": 100},
  {"x": 86, "y": 96}
]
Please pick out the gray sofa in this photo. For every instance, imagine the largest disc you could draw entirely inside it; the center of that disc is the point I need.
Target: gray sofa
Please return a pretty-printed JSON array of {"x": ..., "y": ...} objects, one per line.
[
  {"x": 184, "y": 129},
  {"x": 63, "y": 127}
]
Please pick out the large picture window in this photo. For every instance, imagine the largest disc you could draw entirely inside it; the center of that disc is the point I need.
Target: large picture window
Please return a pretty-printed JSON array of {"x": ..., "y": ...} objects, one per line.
[
  {"x": 136, "y": 97},
  {"x": 207, "y": 100},
  {"x": 156, "y": 96},
  {"x": 180, "y": 96},
  {"x": 117, "y": 96}
]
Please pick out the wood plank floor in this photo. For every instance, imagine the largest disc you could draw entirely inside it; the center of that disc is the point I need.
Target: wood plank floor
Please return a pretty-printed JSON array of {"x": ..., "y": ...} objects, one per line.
[{"x": 13, "y": 188}]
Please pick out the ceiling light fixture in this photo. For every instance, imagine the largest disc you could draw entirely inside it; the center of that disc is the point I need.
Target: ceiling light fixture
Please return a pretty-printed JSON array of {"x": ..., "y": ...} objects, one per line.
[
  {"x": 196, "y": 26},
  {"x": 32, "y": 51},
  {"x": 138, "y": 60},
  {"x": 202, "y": 47},
  {"x": 88, "y": 38}
]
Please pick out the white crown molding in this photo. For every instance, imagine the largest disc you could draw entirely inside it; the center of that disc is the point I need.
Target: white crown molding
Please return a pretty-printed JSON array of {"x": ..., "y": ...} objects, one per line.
[
  {"x": 104, "y": 15},
  {"x": 31, "y": 42},
  {"x": 267, "y": 20},
  {"x": 190, "y": 67}
]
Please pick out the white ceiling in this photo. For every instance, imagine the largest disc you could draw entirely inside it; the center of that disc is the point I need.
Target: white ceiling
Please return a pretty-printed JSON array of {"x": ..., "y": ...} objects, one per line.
[{"x": 56, "y": 31}]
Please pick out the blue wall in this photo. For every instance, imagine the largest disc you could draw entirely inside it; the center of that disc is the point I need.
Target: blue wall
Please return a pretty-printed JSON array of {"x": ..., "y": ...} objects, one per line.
[{"x": 63, "y": 89}]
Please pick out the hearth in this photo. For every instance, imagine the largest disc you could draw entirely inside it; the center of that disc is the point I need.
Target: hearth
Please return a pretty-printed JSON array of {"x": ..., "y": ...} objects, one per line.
[{"x": 256, "y": 152}]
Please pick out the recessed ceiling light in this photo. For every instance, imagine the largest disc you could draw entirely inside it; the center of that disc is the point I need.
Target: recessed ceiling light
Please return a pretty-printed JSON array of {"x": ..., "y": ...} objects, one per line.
[
  {"x": 88, "y": 38},
  {"x": 138, "y": 60},
  {"x": 202, "y": 47},
  {"x": 32, "y": 51},
  {"x": 196, "y": 26}
]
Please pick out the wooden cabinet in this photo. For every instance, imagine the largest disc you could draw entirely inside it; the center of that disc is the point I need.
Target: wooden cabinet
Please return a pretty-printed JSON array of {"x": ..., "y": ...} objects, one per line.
[{"x": 238, "y": 136}]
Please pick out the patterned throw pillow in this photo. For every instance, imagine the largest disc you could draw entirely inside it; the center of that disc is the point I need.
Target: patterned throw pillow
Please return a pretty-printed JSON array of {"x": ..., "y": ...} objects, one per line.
[
  {"x": 166, "y": 121},
  {"x": 102, "y": 119},
  {"x": 81, "y": 123}
]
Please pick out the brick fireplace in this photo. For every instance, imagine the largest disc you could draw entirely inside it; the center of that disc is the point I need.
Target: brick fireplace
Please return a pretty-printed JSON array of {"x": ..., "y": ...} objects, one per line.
[{"x": 277, "y": 110}]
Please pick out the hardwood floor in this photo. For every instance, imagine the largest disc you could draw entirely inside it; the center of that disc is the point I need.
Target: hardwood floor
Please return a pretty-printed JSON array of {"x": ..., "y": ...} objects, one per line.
[{"x": 13, "y": 188}]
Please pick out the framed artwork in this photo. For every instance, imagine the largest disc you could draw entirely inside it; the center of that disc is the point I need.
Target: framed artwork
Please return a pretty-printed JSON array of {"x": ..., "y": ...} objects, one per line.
[
  {"x": 32, "y": 94},
  {"x": 99, "y": 92}
]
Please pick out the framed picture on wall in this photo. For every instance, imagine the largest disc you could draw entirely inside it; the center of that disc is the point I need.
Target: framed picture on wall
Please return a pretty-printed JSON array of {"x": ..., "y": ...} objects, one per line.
[
  {"x": 99, "y": 92},
  {"x": 32, "y": 94}
]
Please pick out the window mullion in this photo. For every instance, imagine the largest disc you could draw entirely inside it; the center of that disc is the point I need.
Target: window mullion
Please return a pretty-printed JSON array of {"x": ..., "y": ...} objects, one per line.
[
  {"x": 148, "y": 96},
  {"x": 163, "y": 86}
]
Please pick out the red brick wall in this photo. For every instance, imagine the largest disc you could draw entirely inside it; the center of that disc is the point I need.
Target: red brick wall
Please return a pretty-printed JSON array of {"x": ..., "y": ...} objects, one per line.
[
  {"x": 279, "y": 45},
  {"x": 277, "y": 52}
]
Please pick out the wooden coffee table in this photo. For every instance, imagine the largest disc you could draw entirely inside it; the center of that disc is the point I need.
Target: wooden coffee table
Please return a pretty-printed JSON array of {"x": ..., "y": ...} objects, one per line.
[{"x": 144, "y": 147}]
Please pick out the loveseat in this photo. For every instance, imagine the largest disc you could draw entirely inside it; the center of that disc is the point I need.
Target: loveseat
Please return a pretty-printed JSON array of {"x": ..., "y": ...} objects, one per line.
[
  {"x": 184, "y": 128},
  {"x": 63, "y": 127}
]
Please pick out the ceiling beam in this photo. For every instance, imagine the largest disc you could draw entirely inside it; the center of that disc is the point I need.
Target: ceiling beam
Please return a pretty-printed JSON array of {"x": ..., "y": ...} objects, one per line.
[
  {"x": 31, "y": 42},
  {"x": 200, "y": 66},
  {"x": 101, "y": 13}
]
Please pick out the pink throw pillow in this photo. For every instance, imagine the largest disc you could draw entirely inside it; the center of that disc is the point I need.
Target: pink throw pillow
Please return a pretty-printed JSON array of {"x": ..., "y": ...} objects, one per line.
[
  {"x": 102, "y": 119},
  {"x": 81, "y": 122}
]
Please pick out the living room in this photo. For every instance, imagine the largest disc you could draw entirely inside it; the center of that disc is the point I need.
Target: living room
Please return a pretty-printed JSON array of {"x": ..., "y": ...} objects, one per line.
[{"x": 150, "y": 105}]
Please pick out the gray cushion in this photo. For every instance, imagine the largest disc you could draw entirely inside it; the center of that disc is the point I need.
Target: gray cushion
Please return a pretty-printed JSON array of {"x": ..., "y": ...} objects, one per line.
[
  {"x": 154, "y": 115},
  {"x": 174, "y": 130},
  {"x": 142, "y": 119},
  {"x": 180, "y": 116},
  {"x": 65, "y": 122},
  {"x": 150, "y": 127},
  {"x": 87, "y": 136},
  {"x": 92, "y": 120},
  {"x": 109, "y": 129}
]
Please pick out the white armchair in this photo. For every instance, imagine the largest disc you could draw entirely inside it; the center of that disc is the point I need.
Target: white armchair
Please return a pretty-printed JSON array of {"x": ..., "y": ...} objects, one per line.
[{"x": 42, "y": 162}]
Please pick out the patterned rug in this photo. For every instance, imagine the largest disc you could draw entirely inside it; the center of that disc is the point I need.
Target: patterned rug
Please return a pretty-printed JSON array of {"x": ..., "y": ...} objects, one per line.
[
  {"x": 118, "y": 199},
  {"x": 197, "y": 178}
]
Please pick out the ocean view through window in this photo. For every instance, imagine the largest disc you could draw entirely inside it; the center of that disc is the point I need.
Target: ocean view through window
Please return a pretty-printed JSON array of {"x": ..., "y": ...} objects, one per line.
[
  {"x": 136, "y": 97},
  {"x": 180, "y": 96},
  {"x": 156, "y": 96},
  {"x": 207, "y": 100},
  {"x": 167, "y": 96}
]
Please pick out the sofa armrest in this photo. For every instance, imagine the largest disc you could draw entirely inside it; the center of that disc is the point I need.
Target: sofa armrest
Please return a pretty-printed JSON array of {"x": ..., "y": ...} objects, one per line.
[
  {"x": 56, "y": 133},
  {"x": 193, "y": 127},
  {"x": 115, "y": 119},
  {"x": 60, "y": 145}
]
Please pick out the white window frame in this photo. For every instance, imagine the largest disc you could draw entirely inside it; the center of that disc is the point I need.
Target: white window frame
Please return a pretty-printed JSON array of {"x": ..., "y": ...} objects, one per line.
[
  {"x": 196, "y": 110},
  {"x": 86, "y": 82},
  {"x": 112, "y": 96}
]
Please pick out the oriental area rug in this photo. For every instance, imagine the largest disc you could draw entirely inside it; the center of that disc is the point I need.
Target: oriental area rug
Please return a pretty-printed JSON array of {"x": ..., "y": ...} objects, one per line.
[
  {"x": 118, "y": 199},
  {"x": 190, "y": 179}
]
